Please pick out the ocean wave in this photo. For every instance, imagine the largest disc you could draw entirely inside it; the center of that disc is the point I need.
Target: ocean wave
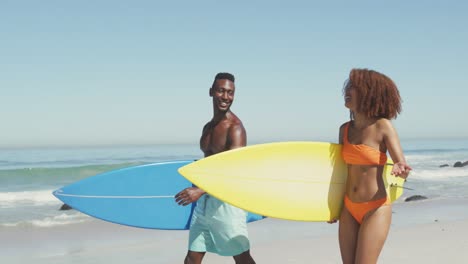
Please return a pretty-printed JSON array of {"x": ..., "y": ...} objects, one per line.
[
  {"x": 434, "y": 161},
  {"x": 18, "y": 179},
  {"x": 34, "y": 198},
  {"x": 51, "y": 221},
  {"x": 74, "y": 157},
  {"x": 439, "y": 174},
  {"x": 436, "y": 150},
  {"x": 65, "y": 164},
  {"x": 431, "y": 158}
]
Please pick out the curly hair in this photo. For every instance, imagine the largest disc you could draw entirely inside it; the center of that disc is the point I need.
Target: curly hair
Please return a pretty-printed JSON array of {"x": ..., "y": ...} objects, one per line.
[{"x": 378, "y": 96}]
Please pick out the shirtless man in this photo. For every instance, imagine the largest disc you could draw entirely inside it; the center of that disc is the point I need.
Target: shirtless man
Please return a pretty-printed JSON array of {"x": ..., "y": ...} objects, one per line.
[{"x": 216, "y": 226}]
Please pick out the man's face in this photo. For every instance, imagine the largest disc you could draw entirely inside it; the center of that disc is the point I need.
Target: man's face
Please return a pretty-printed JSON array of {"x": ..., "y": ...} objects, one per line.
[{"x": 223, "y": 94}]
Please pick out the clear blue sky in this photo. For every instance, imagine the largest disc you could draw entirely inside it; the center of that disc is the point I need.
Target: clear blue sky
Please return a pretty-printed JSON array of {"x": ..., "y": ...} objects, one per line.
[{"x": 138, "y": 72}]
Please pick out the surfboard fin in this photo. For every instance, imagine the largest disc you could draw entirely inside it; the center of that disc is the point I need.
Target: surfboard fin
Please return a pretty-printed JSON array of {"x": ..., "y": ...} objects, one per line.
[{"x": 398, "y": 186}]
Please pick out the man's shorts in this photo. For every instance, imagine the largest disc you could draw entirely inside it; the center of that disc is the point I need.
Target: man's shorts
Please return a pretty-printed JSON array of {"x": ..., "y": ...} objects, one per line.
[{"x": 218, "y": 227}]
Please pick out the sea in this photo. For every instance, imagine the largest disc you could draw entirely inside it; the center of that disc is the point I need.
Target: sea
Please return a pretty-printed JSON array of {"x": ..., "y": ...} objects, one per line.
[{"x": 28, "y": 176}]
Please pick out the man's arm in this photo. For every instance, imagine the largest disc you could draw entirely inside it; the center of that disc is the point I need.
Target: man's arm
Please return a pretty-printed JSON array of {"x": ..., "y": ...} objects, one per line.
[
  {"x": 237, "y": 136},
  {"x": 192, "y": 194}
]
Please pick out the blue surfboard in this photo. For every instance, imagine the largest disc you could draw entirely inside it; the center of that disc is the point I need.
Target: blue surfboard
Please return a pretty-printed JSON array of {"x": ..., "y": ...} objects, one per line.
[{"x": 139, "y": 196}]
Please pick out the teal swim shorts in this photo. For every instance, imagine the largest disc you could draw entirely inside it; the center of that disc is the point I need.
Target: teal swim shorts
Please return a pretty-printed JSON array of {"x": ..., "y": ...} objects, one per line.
[{"x": 218, "y": 227}]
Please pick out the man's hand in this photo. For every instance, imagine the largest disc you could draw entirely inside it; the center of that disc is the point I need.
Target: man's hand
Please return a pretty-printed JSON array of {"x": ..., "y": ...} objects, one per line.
[{"x": 188, "y": 196}]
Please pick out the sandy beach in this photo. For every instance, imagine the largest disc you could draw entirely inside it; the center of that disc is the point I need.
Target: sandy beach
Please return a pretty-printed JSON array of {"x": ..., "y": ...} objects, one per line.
[{"x": 429, "y": 231}]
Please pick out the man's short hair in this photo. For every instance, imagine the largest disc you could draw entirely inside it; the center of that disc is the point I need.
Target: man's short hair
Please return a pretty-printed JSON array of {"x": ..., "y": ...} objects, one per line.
[{"x": 223, "y": 76}]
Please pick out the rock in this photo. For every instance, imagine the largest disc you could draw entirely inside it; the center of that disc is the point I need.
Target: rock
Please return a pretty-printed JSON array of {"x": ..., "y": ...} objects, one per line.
[
  {"x": 443, "y": 165},
  {"x": 65, "y": 207},
  {"x": 415, "y": 198},
  {"x": 460, "y": 164}
]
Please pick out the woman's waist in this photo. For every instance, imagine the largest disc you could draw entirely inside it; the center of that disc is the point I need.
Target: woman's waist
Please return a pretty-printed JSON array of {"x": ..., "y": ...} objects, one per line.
[
  {"x": 363, "y": 189},
  {"x": 362, "y": 197}
]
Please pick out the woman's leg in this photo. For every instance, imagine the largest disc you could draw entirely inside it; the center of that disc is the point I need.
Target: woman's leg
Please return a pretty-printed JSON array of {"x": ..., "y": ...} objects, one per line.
[
  {"x": 372, "y": 234},
  {"x": 348, "y": 234}
]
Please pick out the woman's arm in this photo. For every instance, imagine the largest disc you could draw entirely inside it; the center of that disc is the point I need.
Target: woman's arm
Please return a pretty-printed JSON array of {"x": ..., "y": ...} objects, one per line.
[{"x": 392, "y": 142}]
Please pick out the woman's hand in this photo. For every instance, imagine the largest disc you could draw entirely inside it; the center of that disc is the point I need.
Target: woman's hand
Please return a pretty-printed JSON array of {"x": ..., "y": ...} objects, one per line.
[{"x": 401, "y": 169}]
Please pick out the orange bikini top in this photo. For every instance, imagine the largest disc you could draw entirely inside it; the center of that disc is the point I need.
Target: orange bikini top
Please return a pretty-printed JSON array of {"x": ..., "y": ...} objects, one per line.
[{"x": 361, "y": 154}]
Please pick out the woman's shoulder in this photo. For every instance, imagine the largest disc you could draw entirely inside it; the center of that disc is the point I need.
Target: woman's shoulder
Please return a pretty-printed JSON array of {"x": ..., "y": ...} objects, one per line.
[
  {"x": 383, "y": 122},
  {"x": 384, "y": 125},
  {"x": 344, "y": 124}
]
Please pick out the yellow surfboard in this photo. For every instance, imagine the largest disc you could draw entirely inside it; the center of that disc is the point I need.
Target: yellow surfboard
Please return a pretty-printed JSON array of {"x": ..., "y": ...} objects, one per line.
[{"x": 302, "y": 181}]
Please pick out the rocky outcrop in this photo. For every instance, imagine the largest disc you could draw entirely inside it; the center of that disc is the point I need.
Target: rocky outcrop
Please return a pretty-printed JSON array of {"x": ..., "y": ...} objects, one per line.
[
  {"x": 65, "y": 207},
  {"x": 457, "y": 164},
  {"x": 460, "y": 164},
  {"x": 415, "y": 198}
]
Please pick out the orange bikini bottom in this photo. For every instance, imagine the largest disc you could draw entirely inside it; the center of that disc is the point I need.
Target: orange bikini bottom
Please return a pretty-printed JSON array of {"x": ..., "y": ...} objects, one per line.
[{"x": 359, "y": 210}]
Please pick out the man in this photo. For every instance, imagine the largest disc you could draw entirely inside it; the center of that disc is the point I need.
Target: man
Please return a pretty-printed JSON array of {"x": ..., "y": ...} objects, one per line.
[{"x": 217, "y": 226}]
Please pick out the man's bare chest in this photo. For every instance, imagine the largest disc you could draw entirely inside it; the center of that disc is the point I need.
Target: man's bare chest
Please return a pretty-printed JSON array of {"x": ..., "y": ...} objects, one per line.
[{"x": 213, "y": 141}]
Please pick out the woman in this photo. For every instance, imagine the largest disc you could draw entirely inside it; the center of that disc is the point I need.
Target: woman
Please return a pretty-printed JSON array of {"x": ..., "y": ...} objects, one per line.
[{"x": 373, "y": 99}]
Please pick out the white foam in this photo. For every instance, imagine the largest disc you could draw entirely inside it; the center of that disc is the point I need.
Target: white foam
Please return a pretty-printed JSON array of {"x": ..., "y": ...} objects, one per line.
[
  {"x": 439, "y": 173},
  {"x": 434, "y": 159},
  {"x": 36, "y": 198},
  {"x": 58, "y": 220}
]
